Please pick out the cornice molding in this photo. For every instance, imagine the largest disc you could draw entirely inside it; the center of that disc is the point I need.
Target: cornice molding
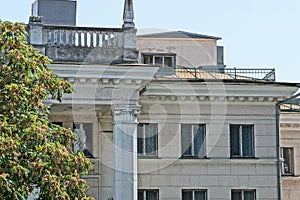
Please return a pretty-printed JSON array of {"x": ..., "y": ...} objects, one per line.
[
  {"x": 290, "y": 125},
  {"x": 94, "y": 73},
  {"x": 106, "y": 81},
  {"x": 207, "y": 98}
]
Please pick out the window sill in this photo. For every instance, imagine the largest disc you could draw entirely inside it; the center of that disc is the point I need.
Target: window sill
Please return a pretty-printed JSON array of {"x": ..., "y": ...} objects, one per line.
[
  {"x": 194, "y": 157},
  {"x": 243, "y": 157},
  {"x": 148, "y": 157},
  {"x": 289, "y": 175}
]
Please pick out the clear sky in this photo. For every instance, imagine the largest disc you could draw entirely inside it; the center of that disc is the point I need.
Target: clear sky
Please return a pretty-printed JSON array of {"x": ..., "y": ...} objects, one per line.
[{"x": 255, "y": 33}]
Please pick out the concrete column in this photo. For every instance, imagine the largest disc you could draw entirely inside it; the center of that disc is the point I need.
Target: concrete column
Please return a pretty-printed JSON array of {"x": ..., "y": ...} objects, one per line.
[{"x": 125, "y": 155}]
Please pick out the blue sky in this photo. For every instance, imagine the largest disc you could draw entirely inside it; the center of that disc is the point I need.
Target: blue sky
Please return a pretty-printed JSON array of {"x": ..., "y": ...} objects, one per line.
[{"x": 255, "y": 33}]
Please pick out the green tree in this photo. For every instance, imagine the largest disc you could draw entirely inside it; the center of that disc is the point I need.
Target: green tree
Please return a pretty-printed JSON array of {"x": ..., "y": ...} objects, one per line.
[{"x": 33, "y": 152}]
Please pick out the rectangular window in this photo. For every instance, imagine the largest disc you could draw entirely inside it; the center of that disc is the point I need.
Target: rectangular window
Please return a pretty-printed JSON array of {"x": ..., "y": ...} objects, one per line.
[
  {"x": 193, "y": 140},
  {"x": 159, "y": 59},
  {"x": 58, "y": 123},
  {"x": 84, "y": 142},
  {"x": 243, "y": 195},
  {"x": 194, "y": 195},
  {"x": 242, "y": 140},
  {"x": 147, "y": 139},
  {"x": 148, "y": 195},
  {"x": 287, "y": 165},
  {"x": 148, "y": 59}
]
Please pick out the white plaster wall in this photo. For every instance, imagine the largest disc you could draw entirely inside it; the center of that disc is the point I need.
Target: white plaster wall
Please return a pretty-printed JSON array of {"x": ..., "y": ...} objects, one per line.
[
  {"x": 217, "y": 177},
  {"x": 190, "y": 53},
  {"x": 218, "y": 174}
]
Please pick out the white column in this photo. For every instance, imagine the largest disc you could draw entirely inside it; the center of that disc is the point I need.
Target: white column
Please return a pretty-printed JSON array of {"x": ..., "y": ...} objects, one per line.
[{"x": 125, "y": 151}]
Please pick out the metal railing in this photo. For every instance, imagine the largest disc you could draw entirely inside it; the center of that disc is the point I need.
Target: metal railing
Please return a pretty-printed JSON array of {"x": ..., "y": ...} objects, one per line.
[
  {"x": 291, "y": 106},
  {"x": 208, "y": 73}
]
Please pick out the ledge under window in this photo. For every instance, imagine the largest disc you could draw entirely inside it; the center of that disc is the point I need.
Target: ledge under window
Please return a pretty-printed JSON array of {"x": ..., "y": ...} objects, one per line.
[
  {"x": 194, "y": 157},
  {"x": 243, "y": 157},
  {"x": 148, "y": 157}
]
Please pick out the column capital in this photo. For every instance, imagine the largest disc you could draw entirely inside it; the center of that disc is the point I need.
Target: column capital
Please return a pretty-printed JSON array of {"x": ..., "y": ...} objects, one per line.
[{"x": 125, "y": 113}]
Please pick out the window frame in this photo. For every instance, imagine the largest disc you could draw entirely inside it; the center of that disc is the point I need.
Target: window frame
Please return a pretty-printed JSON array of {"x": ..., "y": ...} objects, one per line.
[
  {"x": 241, "y": 140},
  {"x": 158, "y": 55},
  {"x": 192, "y": 142},
  {"x": 146, "y": 191},
  {"x": 193, "y": 192},
  {"x": 243, "y": 193},
  {"x": 89, "y": 153},
  {"x": 292, "y": 164},
  {"x": 144, "y": 153}
]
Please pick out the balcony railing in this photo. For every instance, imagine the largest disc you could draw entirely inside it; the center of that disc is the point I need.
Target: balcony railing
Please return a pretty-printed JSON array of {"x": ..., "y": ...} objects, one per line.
[
  {"x": 83, "y": 37},
  {"x": 209, "y": 73},
  {"x": 291, "y": 106},
  {"x": 83, "y": 44}
]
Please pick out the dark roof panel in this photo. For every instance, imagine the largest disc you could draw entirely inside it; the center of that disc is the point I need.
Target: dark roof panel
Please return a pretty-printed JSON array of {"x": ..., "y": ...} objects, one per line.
[{"x": 179, "y": 34}]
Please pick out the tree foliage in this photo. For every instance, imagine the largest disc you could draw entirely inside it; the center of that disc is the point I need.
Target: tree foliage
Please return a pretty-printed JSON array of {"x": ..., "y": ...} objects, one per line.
[{"x": 33, "y": 152}]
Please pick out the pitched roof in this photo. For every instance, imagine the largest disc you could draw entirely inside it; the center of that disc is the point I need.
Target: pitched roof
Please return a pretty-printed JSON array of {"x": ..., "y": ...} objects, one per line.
[{"x": 179, "y": 34}]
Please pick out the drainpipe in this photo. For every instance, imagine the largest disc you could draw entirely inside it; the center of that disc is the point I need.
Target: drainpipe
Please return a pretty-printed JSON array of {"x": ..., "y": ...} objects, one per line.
[
  {"x": 278, "y": 150},
  {"x": 278, "y": 141}
]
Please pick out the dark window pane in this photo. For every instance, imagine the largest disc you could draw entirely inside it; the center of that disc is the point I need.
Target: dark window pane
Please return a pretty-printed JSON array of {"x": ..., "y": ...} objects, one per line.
[
  {"x": 147, "y": 139},
  {"x": 151, "y": 140},
  {"x": 85, "y": 138},
  {"x": 148, "y": 59},
  {"x": 200, "y": 195},
  {"x": 58, "y": 123},
  {"x": 168, "y": 61},
  {"x": 248, "y": 141},
  {"x": 158, "y": 60},
  {"x": 88, "y": 127},
  {"x": 249, "y": 195},
  {"x": 235, "y": 140},
  {"x": 140, "y": 138},
  {"x": 152, "y": 195},
  {"x": 187, "y": 195},
  {"x": 186, "y": 138},
  {"x": 141, "y": 195},
  {"x": 287, "y": 155},
  {"x": 199, "y": 140},
  {"x": 236, "y": 195}
]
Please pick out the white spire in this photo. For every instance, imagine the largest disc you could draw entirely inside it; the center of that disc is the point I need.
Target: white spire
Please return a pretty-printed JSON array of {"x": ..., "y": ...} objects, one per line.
[{"x": 128, "y": 15}]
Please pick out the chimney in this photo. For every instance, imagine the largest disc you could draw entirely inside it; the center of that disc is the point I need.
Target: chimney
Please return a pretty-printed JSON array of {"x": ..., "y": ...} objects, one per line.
[{"x": 55, "y": 12}]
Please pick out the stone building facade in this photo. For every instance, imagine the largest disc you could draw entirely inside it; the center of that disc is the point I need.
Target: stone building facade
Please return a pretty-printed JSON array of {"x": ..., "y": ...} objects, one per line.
[
  {"x": 290, "y": 148},
  {"x": 194, "y": 130}
]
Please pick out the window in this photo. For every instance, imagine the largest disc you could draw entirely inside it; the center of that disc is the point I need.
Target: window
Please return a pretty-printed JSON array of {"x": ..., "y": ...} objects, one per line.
[
  {"x": 287, "y": 165},
  {"x": 58, "y": 123},
  {"x": 243, "y": 195},
  {"x": 194, "y": 195},
  {"x": 148, "y": 195},
  {"x": 84, "y": 142},
  {"x": 162, "y": 59},
  {"x": 147, "y": 139},
  {"x": 242, "y": 140},
  {"x": 193, "y": 140}
]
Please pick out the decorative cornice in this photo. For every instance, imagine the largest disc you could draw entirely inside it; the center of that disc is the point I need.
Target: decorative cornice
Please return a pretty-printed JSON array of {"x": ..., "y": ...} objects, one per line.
[
  {"x": 290, "y": 125},
  {"x": 88, "y": 71},
  {"x": 236, "y": 91},
  {"x": 107, "y": 81},
  {"x": 211, "y": 98}
]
